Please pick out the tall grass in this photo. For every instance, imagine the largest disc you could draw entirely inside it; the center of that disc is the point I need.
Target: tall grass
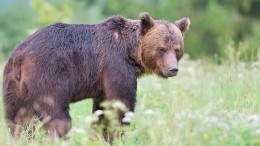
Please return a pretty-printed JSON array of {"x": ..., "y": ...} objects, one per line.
[{"x": 206, "y": 104}]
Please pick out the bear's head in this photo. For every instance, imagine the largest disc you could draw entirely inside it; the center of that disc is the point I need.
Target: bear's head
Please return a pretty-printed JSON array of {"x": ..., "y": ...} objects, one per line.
[{"x": 161, "y": 45}]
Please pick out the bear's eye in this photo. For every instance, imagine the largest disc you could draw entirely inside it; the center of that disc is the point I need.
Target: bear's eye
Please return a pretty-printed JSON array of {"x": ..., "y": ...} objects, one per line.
[
  {"x": 177, "y": 51},
  {"x": 162, "y": 50},
  {"x": 178, "y": 54}
]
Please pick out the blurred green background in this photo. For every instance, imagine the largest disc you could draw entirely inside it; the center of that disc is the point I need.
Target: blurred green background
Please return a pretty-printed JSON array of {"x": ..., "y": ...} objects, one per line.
[
  {"x": 220, "y": 29},
  {"x": 206, "y": 105}
]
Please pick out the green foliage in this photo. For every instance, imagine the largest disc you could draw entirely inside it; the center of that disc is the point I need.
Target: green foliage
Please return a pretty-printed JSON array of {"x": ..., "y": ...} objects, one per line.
[
  {"x": 214, "y": 23},
  {"x": 14, "y": 25},
  {"x": 50, "y": 13}
]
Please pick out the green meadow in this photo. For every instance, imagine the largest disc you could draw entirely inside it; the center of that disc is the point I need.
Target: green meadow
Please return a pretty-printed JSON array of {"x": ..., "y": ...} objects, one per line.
[
  {"x": 205, "y": 105},
  {"x": 213, "y": 101}
]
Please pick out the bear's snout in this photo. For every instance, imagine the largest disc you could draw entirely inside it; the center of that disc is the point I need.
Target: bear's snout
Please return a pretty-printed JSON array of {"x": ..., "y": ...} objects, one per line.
[{"x": 172, "y": 71}]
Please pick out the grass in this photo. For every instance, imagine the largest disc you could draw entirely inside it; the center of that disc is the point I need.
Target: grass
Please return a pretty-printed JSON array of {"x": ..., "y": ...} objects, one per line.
[{"x": 206, "y": 104}]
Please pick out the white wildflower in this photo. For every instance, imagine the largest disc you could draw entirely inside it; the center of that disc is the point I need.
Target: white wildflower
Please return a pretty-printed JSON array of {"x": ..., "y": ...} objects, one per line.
[
  {"x": 108, "y": 113},
  {"x": 190, "y": 70},
  {"x": 129, "y": 114},
  {"x": 240, "y": 75},
  {"x": 186, "y": 56},
  {"x": 65, "y": 143},
  {"x": 256, "y": 64},
  {"x": 119, "y": 105},
  {"x": 212, "y": 119},
  {"x": 158, "y": 86},
  {"x": 254, "y": 119},
  {"x": 99, "y": 112},
  {"x": 160, "y": 122},
  {"x": 148, "y": 112},
  {"x": 91, "y": 119},
  {"x": 257, "y": 132},
  {"x": 79, "y": 130},
  {"x": 163, "y": 93},
  {"x": 88, "y": 119},
  {"x": 126, "y": 120}
]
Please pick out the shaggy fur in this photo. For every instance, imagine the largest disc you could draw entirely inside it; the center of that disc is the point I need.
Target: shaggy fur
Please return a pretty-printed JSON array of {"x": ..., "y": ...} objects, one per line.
[{"x": 64, "y": 63}]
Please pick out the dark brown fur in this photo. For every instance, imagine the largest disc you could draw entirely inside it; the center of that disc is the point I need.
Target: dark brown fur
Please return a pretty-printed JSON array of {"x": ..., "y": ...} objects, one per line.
[{"x": 63, "y": 63}]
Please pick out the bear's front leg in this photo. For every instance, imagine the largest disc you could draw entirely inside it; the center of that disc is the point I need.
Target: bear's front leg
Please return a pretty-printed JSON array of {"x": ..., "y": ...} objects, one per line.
[{"x": 120, "y": 85}]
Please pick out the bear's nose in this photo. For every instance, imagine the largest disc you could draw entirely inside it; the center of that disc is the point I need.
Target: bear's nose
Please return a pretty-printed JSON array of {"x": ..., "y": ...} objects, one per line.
[{"x": 174, "y": 70}]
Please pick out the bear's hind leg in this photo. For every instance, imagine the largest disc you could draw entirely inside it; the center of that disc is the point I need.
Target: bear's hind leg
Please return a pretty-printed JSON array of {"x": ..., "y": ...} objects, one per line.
[
  {"x": 58, "y": 127},
  {"x": 18, "y": 118},
  {"x": 17, "y": 112},
  {"x": 56, "y": 117}
]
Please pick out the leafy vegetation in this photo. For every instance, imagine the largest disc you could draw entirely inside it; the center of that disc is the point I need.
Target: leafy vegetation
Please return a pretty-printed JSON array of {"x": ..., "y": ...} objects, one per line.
[{"x": 215, "y": 99}]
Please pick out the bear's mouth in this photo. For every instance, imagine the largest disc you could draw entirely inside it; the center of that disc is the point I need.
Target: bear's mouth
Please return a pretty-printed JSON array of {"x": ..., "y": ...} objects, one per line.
[
  {"x": 170, "y": 74},
  {"x": 163, "y": 76},
  {"x": 167, "y": 74}
]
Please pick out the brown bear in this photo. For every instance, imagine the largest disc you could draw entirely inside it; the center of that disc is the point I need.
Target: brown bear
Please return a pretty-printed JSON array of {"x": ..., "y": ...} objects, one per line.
[{"x": 62, "y": 63}]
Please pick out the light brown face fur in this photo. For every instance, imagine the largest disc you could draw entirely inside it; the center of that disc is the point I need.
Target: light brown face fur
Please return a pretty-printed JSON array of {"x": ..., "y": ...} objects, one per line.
[{"x": 163, "y": 46}]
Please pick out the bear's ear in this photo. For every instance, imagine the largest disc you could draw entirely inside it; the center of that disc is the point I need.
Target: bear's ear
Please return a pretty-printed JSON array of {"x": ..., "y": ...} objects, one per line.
[
  {"x": 183, "y": 24},
  {"x": 146, "y": 22}
]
